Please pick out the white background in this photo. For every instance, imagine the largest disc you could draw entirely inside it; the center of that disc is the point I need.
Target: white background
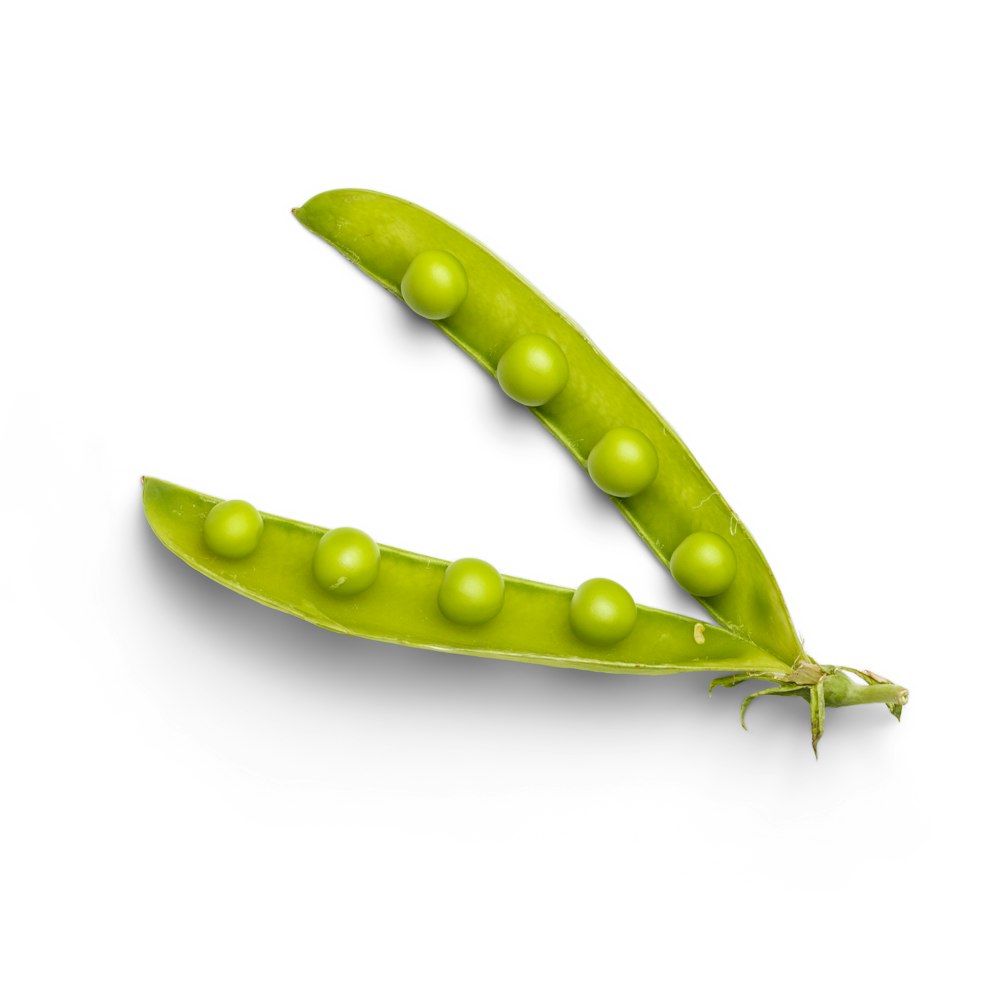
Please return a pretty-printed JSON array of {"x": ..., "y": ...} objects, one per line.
[{"x": 780, "y": 220}]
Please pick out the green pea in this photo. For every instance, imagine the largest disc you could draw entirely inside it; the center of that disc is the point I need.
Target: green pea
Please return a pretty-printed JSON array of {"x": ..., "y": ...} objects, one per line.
[
  {"x": 533, "y": 370},
  {"x": 233, "y": 528},
  {"x": 434, "y": 285},
  {"x": 704, "y": 564},
  {"x": 623, "y": 462},
  {"x": 346, "y": 561},
  {"x": 471, "y": 593},
  {"x": 602, "y": 612}
]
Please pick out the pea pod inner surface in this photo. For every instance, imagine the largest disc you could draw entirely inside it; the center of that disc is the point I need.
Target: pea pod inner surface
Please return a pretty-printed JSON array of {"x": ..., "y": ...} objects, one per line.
[{"x": 382, "y": 235}]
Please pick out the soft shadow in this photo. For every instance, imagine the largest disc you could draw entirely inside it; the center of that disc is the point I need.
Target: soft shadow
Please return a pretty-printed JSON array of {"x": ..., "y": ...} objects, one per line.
[{"x": 408, "y": 320}]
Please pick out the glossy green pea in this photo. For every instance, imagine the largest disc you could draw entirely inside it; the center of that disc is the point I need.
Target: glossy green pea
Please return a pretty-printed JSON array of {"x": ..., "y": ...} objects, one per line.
[
  {"x": 346, "y": 561},
  {"x": 602, "y": 612},
  {"x": 403, "y": 608},
  {"x": 623, "y": 463},
  {"x": 533, "y": 370},
  {"x": 703, "y": 564},
  {"x": 383, "y": 235},
  {"x": 232, "y": 528},
  {"x": 471, "y": 592},
  {"x": 434, "y": 284}
]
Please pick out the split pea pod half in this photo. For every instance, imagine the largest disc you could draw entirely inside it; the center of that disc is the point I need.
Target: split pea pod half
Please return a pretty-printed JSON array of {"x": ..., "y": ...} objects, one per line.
[
  {"x": 341, "y": 580},
  {"x": 543, "y": 360}
]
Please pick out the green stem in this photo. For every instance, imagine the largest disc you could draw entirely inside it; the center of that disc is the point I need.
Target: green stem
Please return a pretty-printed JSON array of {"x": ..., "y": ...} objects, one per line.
[{"x": 868, "y": 694}]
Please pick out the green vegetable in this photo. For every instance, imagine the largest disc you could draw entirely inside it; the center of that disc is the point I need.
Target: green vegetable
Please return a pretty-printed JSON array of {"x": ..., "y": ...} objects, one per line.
[
  {"x": 533, "y": 370},
  {"x": 602, "y": 612},
  {"x": 232, "y": 529},
  {"x": 346, "y": 561},
  {"x": 631, "y": 453},
  {"x": 623, "y": 463},
  {"x": 386, "y": 237},
  {"x": 471, "y": 592},
  {"x": 434, "y": 284},
  {"x": 597, "y": 627},
  {"x": 703, "y": 564},
  {"x": 403, "y": 604}
]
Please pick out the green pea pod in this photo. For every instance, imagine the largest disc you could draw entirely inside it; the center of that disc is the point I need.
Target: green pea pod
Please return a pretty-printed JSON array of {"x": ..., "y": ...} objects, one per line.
[
  {"x": 356, "y": 587},
  {"x": 490, "y": 309},
  {"x": 401, "y": 605}
]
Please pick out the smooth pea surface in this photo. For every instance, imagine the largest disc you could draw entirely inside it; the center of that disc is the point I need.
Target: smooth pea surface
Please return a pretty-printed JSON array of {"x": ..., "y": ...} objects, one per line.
[
  {"x": 623, "y": 463},
  {"x": 346, "y": 561},
  {"x": 434, "y": 285},
  {"x": 602, "y": 612},
  {"x": 471, "y": 592},
  {"x": 703, "y": 564},
  {"x": 533, "y": 370},
  {"x": 402, "y": 605},
  {"x": 233, "y": 529}
]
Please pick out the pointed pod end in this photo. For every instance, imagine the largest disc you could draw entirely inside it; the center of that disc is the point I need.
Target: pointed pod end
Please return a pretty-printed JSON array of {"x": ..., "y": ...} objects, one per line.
[
  {"x": 318, "y": 214},
  {"x": 325, "y": 214}
]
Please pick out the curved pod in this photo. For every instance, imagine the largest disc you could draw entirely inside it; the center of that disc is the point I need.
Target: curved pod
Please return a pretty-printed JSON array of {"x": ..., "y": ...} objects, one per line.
[
  {"x": 382, "y": 235},
  {"x": 401, "y": 606}
]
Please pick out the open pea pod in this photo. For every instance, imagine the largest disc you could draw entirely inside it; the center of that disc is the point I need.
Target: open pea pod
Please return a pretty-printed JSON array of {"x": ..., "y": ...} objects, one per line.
[
  {"x": 632, "y": 453},
  {"x": 401, "y": 604},
  {"x": 343, "y": 581}
]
